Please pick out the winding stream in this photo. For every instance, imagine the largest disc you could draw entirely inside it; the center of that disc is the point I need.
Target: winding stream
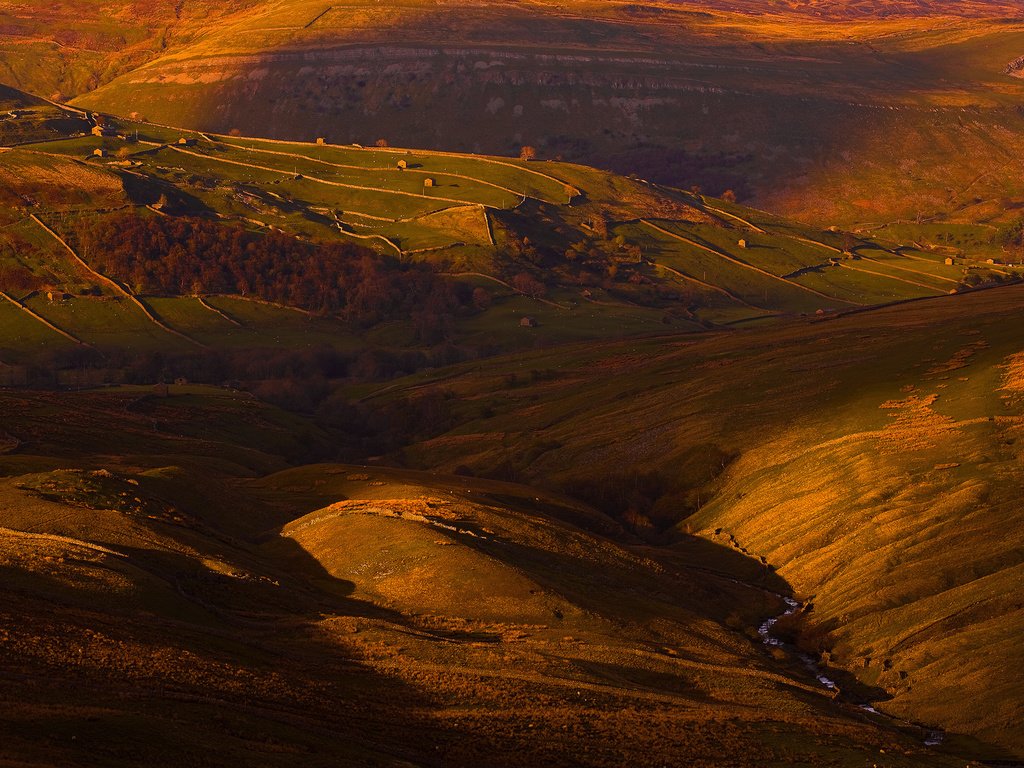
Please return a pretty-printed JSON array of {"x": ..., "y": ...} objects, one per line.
[{"x": 932, "y": 738}]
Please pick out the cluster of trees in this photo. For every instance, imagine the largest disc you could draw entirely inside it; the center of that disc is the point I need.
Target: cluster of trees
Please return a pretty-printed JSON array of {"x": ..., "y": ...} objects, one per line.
[
  {"x": 15, "y": 277},
  {"x": 1012, "y": 239},
  {"x": 601, "y": 259},
  {"x": 184, "y": 256}
]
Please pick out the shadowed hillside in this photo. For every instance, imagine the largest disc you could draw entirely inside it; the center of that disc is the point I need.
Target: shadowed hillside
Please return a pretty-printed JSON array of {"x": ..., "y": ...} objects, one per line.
[
  {"x": 165, "y": 577},
  {"x": 127, "y": 237},
  {"x": 864, "y": 122}
]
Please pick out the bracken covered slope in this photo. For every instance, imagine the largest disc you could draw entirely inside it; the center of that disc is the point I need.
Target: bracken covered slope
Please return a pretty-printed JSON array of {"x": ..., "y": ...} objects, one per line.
[{"x": 872, "y": 461}]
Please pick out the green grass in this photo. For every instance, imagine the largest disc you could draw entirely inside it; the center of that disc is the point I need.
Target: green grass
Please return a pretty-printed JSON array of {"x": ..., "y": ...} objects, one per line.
[
  {"x": 284, "y": 194},
  {"x": 24, "y": 336},
  {"x": 273, "y": 326},
  {"x": 108, "y": 323}
]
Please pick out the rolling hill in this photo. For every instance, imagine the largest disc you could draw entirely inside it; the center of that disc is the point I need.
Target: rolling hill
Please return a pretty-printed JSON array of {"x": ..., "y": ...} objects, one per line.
[
  {"x": 174, "y": 586},
  {"x": 89, "y": 221},
  {"x": 870, "y": 460},
  {"x": 837, "y": 113},
  {"x": 381, "y": 384}
]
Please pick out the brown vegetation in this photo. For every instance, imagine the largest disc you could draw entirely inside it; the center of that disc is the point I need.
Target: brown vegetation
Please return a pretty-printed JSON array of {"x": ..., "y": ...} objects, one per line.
[{"x": 191, "y": 256}]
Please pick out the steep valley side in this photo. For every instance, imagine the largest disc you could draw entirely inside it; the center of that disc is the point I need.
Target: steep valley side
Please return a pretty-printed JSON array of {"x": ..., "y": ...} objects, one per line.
[{"x": 881, "y": 481}]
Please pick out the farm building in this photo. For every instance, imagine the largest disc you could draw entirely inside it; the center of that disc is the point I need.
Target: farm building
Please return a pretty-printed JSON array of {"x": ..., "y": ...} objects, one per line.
[
  {"x": 321, "y": 141},
  {"x": 949, "y": 261},
  {"x": 185, "y": 141},
  {"x": 528, "y": 322},
  {"x": 428, "y": 182},
  {"x": 742, "y": 243},
  {"x": 103, "y": 130},
  {"x": 99, "y": 152},
  {"x": 403, "y": 164}
]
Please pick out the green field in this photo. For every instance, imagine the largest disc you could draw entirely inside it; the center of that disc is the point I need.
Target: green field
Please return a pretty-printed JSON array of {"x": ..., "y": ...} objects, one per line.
[{"x": 669, "y": 259}]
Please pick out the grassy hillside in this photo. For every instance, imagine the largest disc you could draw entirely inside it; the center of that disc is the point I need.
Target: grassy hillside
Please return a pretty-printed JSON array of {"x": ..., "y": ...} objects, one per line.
[
  {"x": 71, "y": 46},
  {"x": 166, "y": 572},
  {"x": 584, "y": 253},
  {"x": 860, "y": 124},
  {"x": 870, "y": 460}
]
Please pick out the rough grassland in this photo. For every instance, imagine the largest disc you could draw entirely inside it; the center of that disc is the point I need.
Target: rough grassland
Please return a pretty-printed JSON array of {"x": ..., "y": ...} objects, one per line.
[
  {"x": 161, "y": 582},
  {"x": 872, "y": 460}
]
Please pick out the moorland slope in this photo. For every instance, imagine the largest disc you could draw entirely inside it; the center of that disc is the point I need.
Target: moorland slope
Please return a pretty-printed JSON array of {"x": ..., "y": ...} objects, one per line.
[
  {"x": 871, "y": 460},
  {"x": 176, "y": 584}
]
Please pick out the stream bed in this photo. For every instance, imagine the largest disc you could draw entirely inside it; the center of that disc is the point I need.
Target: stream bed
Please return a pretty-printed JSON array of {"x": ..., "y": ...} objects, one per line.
[{"x": 932, "y": 738}]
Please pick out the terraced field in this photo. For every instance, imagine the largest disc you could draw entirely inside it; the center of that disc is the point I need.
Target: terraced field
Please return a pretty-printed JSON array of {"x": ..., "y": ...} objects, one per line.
[{"x": 613, "y": 254}]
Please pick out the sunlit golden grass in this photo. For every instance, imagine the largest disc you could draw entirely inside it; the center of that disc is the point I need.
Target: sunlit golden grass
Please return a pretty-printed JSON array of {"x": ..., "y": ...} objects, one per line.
[{"x": 877, "y": 469}]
